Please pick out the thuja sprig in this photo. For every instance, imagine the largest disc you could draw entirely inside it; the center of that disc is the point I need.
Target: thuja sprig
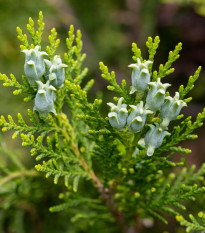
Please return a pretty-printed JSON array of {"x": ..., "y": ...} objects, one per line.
[
  {"x": 182, "y": 132},
  {"x": 12, "y": 82},
  {"x": 190, "y": 85},
  {"x": 194, "y": 224},
  {"x": 22, "y": 127},
  {"x": 156, "y": 97},
  {"x": 53, "y": 43},
  {"x": 174, "y": 191},
  {"x": 166, "y": 69},
  {"x": 36, "y": 35},
  {"x": 74, "y": 72},
  {"x": 137, "y": 52},
  {"x": 122, "y": 91},
  {"x": 133, "y": 180},
  {"x": 152, "y": 46}
]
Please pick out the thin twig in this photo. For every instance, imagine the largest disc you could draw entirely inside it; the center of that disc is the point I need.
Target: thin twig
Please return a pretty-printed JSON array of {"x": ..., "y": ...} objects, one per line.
[{"x": 15, "y": 175}]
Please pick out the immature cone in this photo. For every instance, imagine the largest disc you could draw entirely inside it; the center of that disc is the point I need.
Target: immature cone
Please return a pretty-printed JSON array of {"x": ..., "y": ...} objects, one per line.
[
  {"x": 118, "y": 114},
  {"x": 34, "y": 66},
  {"x": 140, "y": 76},
  {"x": 156, "y": 95},
  {"x": 44, "y": 100},
  {"x": 136, "y": 119},
  {"x": 154, "y": 137},
  {"x": 55, "y": 71},
  {"x": 171, "y": 109}
]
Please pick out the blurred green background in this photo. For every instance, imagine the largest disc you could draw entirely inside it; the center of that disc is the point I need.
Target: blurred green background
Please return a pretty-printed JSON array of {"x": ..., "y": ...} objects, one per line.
[{"x": 108, "y": 28}]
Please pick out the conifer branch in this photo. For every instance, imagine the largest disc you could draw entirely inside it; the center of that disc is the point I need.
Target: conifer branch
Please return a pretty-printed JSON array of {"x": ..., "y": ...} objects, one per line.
[{"x": 125, "y": 156}]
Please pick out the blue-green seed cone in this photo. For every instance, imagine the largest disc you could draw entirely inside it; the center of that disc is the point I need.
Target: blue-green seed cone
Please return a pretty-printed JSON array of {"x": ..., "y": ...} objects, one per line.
[
  {"x": 156, "y": 95},
  {"x": 154, "y": 138},
  {"x": 48, "y": 66},
  {"x": 55, "y": 72},
  {"x": 113, "y": 120},
  {"x": 165, "y": 123},
  {"x": 34, "y": 66},
  {"x": 136, "y": 125},
  {"x": 118, "y": 115},
  {"x": 122, "y": 117},
  {"x": 30, "y": 72},
  {"x": 137, "y": 117},
  {"x": 150, "y": 150},
  {"x": 157, "y": 101},
  {"x": 140, "y": 76},
  {"x": 44, "y": 100},
  {"x": 43, "y": 106},
  {"x": 171, "y": 109}
]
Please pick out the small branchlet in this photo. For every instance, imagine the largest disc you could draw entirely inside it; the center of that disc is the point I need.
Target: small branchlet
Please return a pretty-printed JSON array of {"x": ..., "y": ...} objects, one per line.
[{"x": 131, "y": 148}]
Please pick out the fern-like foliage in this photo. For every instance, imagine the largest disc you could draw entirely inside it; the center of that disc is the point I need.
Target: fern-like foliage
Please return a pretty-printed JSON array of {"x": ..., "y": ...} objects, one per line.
[
  {"x": 130, "y": 172},
  {"x": 193, "y": 225}
]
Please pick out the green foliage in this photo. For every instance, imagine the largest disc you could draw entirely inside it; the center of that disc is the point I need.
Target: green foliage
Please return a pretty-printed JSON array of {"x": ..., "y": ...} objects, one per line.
[
  {"x": 122, "y": 91},
  {"x": 54, "y": 43},
  {"x": 152, "y": 48},
  {"x": 168, "y": 191},
  {"x": 194, "y": 224},
  {"x": 79, "y": 148},
  {"x": 183, "y": 91},
  {"x": 35, "y": 35}
]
